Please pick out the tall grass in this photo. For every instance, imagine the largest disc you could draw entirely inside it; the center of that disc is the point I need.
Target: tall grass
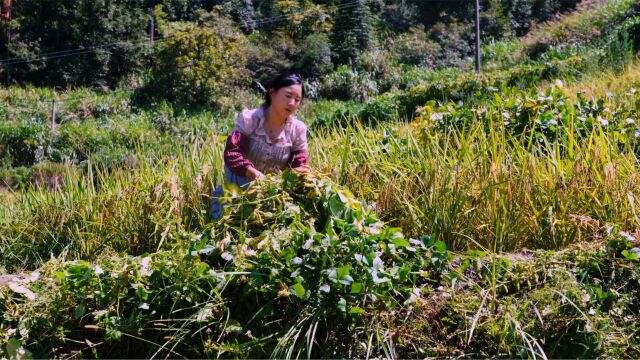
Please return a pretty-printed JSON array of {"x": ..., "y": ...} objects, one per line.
[
  {"x": 472, "y": 188},
  {"x": 482, "y": 189},
  {"x": 122, "y": 210}
]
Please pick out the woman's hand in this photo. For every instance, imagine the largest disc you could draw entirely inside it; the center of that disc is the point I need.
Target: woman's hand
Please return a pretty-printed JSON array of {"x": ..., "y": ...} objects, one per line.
[
  {"x": 304, "y": 169},
  {"x": 253, "y": 173}
]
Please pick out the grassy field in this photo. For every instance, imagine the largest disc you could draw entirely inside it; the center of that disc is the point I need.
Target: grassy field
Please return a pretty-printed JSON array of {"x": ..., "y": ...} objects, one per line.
[{"x": 474, "y": 217}]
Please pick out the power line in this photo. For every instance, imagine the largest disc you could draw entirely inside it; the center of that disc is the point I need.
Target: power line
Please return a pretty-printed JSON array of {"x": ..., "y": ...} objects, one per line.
[
  {"x": 85, "y": 50},
  {"x": 282, "y": 17},
  {"x": 64, "y": 53}
]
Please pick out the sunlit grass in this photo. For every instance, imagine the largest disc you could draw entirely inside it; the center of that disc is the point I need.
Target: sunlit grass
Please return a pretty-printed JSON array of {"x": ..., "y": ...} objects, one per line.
[
  {"x": 478, "y": 189},
  {"x": 471, "y": 188}
]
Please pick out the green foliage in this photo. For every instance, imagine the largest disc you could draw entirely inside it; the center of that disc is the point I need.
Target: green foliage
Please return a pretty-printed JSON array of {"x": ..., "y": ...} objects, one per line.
[
  {"x": 268, "y": 55},
  {"x": 347, "y": 83},
  {"x": 232, "y": 291},
  {"x": 190, "y": 67},
  {"x": 623, "y": 43},
  {"x": 24, "y": 143},
  {"x": 243, "y": 13},
  {"x": 316, "y": 59},
  {"x": 128, "y": 263},
  {"x": 291, "y": 247},
  {"x": 299, "y": 19},
  {"x": 400, "y": 16},
  {"x": 544, "y": 117},
  {"x": 184, "y": 10},
  {"x": 415, "y": 48},
  {"x": 519, "y": 14},
  {"x": 593, "y": 27},
  {"x": 352, "y": 32},
  {"x": 116, "y": 28}
]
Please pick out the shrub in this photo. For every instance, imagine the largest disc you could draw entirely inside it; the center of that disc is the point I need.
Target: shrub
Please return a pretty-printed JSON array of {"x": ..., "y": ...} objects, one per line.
[
  {"x": 543, "y": 10},
  {"x": 414, "y": 48},
  {"x": 380, "y": 110},
  {"x": 379, "y": 64},
  {"x": 24, "y": 143},
  {"x": 14, "y": 178},
  {"x": 346, "y": 83},
  {"x": 291, "y": 254},
  {"x": 352, "y": 32},
  {"x": 546, "y": 116},
  {"x": 269, "y": 54},
  {"x": 339, "y": 118},
  {"x": 457, "y": 39},
  {"x": 190, "y": 69},
  {"x": 117, "y": 30},
  {"x": 316, "y": 58}
]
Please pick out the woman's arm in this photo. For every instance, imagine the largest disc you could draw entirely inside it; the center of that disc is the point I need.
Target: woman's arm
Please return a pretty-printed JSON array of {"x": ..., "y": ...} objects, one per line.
[
  {"x": 235, "y": 156},
  {"x": 299, "y": 159}
]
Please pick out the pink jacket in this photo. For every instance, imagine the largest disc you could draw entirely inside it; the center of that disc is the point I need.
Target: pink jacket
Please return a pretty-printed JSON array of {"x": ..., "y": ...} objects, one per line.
[{"x": 249, "y": 144}]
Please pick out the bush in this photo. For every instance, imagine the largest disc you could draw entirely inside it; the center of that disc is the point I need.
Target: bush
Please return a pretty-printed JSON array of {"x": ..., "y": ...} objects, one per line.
[
  {"x": 411, "y": 76},
  {"x": 14, "y": 178},
  {"x": 316, "y": 58},
  {"x": 619, "y": 50},
  {"x": 624, "y": 42},
  {"x": 379, "y": 64},
  {"x": 543, "y": 10},
  {"x": 289, "y": 252},
  {"x": 336, "y": 118},
  {"x": 519, "y": 14},
  {"x": 346, "y": 83},
  {"x": 541, "y": 116},
  {"x": 414, "y": 48},
  {"x": 190, "y": 68},
  {"x": 457, "y": 39},
  {"x": 267, "y": 55},
  {"x": 25, "y": 142},
  {"x": 118, "y": 29},
  {"x": 382, "y": 109}
]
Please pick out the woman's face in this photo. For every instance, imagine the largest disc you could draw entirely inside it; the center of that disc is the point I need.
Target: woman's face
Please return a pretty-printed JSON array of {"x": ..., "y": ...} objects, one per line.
[{"x": 285, "y": 100}]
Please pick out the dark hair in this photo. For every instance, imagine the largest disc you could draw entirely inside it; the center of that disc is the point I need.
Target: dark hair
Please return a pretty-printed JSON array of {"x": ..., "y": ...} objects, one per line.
[{"x": 284, "y": 79}]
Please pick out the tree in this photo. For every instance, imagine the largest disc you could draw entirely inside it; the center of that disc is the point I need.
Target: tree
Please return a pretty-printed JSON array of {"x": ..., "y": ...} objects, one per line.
[
  {"x": 113, "y": 32},
  {"x": 316, "y": 60},
  {"x": 242, "y": 12},
  {"x": 352, "y": 32},
  {"x": 400, "y": 16},
  {"x": 199, "y": 61},
  {"x": 185, "y": 10}
]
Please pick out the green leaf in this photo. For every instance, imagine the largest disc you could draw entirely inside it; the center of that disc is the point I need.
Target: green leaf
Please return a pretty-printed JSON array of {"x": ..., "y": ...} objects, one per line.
[
  {"x": 343, "y": 271},
  {"x": 336, "y": 206},
  {"x": 400, "y": 242},
  {"x": 79, "y": 311},
  {"x": 356, "y": 310},
  {"x": 59, "y": 276},
  {"x": 630, "y": 255},
  {"x": 356, "y": 288},
  {"x": 202, "y": 268},
  {"x": 342, "y": 305},
  {"x": 299, "y": 290},
  {"x": 440, "y": 246},
  {"x": 16, "y": 351},
  {"x": 403, "y": 273}
]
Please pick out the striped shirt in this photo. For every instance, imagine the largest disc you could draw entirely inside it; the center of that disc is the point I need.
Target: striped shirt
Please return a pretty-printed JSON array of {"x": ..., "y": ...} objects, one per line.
[{"x": 250, "y": 145}]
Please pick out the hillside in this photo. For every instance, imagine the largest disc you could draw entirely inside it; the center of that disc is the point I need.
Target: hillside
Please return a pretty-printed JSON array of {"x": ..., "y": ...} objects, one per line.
[{"x": 447, "y": 214}]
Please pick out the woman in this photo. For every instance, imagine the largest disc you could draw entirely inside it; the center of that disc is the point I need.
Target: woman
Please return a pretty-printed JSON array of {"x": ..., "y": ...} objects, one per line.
[{"x": 268, "y": 139}]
